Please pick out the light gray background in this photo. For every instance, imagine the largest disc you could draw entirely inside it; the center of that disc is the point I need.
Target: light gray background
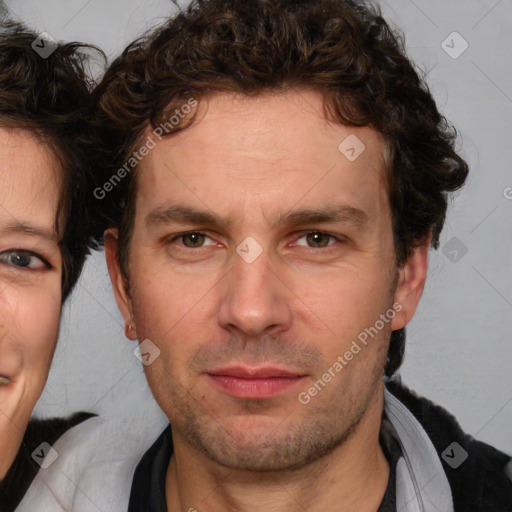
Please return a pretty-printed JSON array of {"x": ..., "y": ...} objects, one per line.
[{"x": 459, "y": 350}]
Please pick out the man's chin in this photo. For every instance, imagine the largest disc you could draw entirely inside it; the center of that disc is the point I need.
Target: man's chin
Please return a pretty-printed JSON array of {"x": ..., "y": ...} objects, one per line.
[{"x": 263, "y": 444}]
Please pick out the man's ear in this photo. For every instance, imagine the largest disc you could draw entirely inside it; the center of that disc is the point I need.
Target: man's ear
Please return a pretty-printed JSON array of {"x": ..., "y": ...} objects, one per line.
[
  {"x": 411, "y": 282},
  {"x": 119, "y": 282}
]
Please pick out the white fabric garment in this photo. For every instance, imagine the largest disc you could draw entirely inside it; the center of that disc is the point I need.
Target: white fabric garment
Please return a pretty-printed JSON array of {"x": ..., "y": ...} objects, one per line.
[
  {"x": 421, "y": 483},
  {"x": 95, "y": 466}
]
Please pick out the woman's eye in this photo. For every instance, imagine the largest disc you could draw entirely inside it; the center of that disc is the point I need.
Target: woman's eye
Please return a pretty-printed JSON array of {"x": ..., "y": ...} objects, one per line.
[
  {"x": 23, "y": 259},
  {"x": 193, "y": 240},
  {"x": 316, "y": 239}
]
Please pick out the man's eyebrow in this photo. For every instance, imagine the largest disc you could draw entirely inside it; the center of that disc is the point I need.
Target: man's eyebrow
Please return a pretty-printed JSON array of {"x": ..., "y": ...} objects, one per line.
[
  {"x": 179, "y": 213},
  {"x": 333, "y": 214},
  {"x": 28, "y": 229}
]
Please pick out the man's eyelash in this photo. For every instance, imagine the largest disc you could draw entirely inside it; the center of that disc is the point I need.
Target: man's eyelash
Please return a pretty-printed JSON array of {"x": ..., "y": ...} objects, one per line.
[{"x": 300, "y": 235}]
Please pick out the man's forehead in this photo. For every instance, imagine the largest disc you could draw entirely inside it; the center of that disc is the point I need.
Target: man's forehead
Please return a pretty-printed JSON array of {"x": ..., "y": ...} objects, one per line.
[
  {"x": 225, "y": 154},
  {"x": 281, "y": 117}
]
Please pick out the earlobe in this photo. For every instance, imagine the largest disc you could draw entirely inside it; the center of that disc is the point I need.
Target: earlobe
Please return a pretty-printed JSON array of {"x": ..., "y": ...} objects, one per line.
[
  {"x": 129, "y": 332},
  {"x": 119, "y": 283},
  {"x": 411, "y": 282}
]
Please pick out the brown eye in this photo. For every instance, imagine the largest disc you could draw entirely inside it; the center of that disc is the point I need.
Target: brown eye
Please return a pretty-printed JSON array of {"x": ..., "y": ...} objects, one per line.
[
  {"x": 193, "y": 240},
  {"x": 316, "y": 239}
]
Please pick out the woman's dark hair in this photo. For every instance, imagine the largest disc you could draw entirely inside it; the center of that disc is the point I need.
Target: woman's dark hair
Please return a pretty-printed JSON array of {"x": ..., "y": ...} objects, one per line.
[
  {"x": 51, "y": 98},
  {"x": 342, "y": 49}
]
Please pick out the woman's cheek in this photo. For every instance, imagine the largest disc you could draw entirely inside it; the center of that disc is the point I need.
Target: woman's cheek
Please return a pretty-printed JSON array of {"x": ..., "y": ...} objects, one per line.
[{"x": 41, "y": 316}]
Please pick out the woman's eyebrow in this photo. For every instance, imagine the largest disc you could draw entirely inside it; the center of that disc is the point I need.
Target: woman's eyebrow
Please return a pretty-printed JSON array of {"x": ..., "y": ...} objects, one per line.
[{"x": 29, "y": 229}]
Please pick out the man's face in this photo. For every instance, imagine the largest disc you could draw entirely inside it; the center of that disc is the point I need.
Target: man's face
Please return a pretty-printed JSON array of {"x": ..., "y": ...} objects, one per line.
[{"x": 247, "y": 326}]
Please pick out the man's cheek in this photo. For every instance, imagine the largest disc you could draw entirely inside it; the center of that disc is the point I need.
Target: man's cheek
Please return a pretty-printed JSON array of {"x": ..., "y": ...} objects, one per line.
[
  {"x": 167, "y": 367},
  {"x": 161, "y": 380}
]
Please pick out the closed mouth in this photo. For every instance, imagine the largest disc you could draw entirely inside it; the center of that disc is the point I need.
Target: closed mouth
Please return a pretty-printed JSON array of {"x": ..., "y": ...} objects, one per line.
[
  {"x": 255, "y": 373},
  {"x": 4, "y": 380}
]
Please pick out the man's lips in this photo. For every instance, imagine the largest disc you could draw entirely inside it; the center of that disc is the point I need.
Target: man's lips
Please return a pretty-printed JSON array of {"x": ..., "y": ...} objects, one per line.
[
  {"x": 246, "y": 372},
  {"x": 253, "y": 383},
  {"x": 4, "y": 380}
]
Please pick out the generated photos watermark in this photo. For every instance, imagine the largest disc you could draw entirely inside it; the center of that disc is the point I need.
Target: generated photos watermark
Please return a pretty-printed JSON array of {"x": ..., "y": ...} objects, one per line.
[
  {"x": 343, "y": 360},
  {"x": 150, "y": 143}
]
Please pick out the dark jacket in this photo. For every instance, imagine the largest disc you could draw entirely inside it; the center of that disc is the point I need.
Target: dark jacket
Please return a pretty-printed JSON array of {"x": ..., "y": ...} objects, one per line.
[{"x": 480, "y": 483}]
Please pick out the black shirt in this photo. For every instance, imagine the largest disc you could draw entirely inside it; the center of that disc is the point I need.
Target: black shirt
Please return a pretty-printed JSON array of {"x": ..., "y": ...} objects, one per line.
[{"x": 148, "y": 485}]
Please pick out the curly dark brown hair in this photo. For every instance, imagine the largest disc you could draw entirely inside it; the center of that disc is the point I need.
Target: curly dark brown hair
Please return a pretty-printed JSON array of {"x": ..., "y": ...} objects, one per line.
[
  {"x": 51, "y": 98},
  {"x": 342, "y": 49}
]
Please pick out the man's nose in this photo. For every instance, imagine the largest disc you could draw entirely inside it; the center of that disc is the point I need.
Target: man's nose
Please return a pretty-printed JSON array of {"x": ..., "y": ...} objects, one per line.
[{"x": 255, "y": 298}]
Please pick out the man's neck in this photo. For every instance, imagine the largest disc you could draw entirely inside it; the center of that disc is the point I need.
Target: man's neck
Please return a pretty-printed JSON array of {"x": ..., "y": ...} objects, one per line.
[{"x": 354, "y": 476}]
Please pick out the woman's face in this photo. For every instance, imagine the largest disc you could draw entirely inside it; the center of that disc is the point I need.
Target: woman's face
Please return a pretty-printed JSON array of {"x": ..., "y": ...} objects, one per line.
[{"x": 30, "y": 281}]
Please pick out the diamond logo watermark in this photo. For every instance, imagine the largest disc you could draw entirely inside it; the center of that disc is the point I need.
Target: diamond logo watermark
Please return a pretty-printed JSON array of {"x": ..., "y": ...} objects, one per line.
[
  {"x": 45, "y": 455},
  {"x": 249, "y": 250},
  {"x": 352, "y": 147},
  {"x": 454, "y": 45},
  {"x": 147, "y": 352},
  {"x": 44, "y": 45},
  {"x": 454, "y": 455},
  {"x": 455, "y": 249}
]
